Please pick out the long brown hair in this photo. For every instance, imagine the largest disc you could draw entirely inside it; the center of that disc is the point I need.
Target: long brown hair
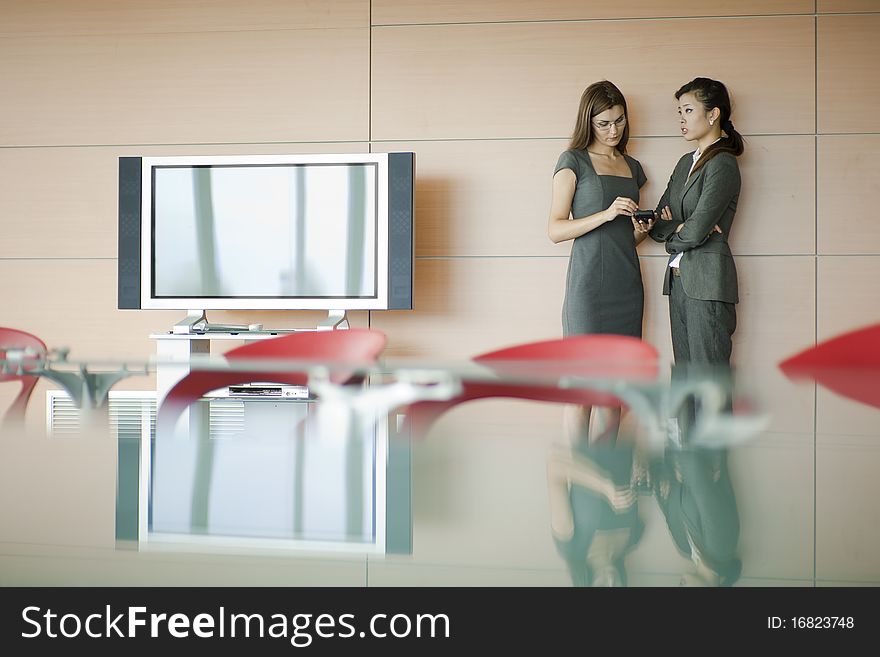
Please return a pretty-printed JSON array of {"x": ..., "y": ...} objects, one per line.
[
  {"x": 712, "y": 94},
  {"x": 597, "y": 98}
]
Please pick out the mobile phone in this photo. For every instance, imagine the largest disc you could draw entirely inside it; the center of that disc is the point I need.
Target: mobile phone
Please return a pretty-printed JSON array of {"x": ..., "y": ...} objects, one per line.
[{"x": 644, "y": 215}]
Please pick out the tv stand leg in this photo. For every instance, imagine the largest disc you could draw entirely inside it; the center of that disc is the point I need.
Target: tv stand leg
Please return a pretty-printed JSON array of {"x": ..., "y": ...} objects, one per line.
[
  {"x": 336, "y": 319},
  {"x": 195, "y": 320}
]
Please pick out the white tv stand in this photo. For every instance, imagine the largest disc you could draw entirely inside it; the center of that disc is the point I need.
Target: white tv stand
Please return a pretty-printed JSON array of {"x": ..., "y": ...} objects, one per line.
[
  {"x": 192, "y": 336},
  {"x": 181, "y": 472}
]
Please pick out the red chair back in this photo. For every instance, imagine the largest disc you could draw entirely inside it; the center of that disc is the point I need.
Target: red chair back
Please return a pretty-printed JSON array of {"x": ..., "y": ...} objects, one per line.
[
  {"x": 595, "y": 356},
  {"x": 14, "y": 339},
  {"x": 848, "y": 364}
]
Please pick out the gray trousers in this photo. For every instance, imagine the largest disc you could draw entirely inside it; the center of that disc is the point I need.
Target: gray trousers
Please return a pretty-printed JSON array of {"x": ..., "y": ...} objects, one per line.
[
  {"x": 701, "y": 342},
  {"x": 701, "y": 330}
]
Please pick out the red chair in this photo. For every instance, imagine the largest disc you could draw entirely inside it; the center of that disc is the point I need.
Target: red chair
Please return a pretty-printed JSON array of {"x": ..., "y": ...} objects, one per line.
[
  {"x": 13, "y": 339},
  {"x": 595, "y": 356},
  {"x": 343, "y": 347},
  {"x": 848, "y": 364}
]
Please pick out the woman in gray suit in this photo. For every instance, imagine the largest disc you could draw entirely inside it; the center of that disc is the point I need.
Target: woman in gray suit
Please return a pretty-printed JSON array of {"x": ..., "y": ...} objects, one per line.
[{"x": 696, "y": 214}]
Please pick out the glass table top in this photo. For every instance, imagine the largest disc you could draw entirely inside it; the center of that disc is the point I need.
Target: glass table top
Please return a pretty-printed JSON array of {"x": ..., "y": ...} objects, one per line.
[{"x": 709, "y": 480}]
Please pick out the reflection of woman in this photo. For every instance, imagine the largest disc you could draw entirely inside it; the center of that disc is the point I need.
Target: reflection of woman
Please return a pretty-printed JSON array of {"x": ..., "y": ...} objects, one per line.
[
  {"x": 697, "y": 211},
  {"x": 595, "y": 192},
  {"x": 593, "y": 513},
  {"x": 694, "y": 491}
]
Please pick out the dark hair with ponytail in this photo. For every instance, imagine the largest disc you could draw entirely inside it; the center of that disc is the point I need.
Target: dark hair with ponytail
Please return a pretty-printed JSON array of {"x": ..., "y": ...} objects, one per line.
[{"x": 712, "y": 94}]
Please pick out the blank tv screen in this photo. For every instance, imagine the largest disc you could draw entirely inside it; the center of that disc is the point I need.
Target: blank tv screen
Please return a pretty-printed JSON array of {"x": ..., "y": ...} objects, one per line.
[{"x": 265, "y": 231}]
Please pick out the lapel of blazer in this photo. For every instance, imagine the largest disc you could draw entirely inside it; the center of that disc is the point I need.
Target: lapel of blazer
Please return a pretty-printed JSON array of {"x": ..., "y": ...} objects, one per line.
[{"x": 688, "y": 184}]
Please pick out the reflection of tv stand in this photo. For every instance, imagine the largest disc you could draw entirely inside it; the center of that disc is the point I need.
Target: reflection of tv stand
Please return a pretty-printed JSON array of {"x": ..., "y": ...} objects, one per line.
[{"x": 196, "y": 322}]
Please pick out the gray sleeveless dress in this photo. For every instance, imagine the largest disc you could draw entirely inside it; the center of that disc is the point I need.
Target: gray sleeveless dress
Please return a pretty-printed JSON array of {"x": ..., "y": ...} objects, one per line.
[{"x": 603, "y": 292}]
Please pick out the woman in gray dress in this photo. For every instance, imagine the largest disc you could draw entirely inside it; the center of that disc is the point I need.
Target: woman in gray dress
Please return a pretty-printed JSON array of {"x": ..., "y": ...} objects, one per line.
[{"x": 595, "y": 193}]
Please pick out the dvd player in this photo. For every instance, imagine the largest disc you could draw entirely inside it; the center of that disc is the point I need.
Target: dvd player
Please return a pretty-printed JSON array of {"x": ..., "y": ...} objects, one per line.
[{"x": 268, "y": 390}]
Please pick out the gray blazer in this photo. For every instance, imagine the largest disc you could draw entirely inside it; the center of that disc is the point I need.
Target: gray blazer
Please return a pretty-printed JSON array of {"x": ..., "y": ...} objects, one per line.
[{"x": 705, "y": 199}]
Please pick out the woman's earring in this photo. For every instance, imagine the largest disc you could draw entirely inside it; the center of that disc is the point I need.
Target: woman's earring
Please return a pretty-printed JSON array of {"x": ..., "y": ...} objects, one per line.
[{"x": 711, "y": 121}]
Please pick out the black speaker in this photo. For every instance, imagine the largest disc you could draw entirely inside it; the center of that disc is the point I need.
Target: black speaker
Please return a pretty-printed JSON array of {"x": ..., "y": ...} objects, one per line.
[
  {"x": 401, "y": 202},
  {"x": 128, "y": 254}
]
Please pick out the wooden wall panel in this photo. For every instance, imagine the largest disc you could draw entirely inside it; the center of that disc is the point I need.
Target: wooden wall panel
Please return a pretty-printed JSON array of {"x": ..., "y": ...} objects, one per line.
[
  {"x": 465, "y": 306},
  {"x": 390, "y": 12},
  {"x": 62, "y": 202},
  {"x": 525, "y": 80},
  {"x": 847, "y": 299},
  {"x": 113, "y": 16},
  {"x": 58, "y": 203},
  {"x": 483, "y": 197},
  {"x": 846, "y": 6},
  {"x": 847, "y": 290},
  {"x": 293, "y": 85},
  {"x": 849, "y": 191},
  {"x": 777, "y": 206},
  {"x": 848, "y": 84}
]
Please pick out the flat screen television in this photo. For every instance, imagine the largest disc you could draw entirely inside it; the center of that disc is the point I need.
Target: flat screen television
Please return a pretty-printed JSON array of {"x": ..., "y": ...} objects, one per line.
[{"x": 266, "y": 232}]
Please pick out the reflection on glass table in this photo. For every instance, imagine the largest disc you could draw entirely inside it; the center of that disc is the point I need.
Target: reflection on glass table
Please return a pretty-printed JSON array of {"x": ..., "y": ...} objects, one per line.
[
  {"x": 593, "y": 513},
  {"x": 255, "y": 472},
  {"x": 695, "y": 493},
  {"x": 790, "y": 505},
  {"x": 87, "y": 383},
  {"x": 199, "y": 483}
]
